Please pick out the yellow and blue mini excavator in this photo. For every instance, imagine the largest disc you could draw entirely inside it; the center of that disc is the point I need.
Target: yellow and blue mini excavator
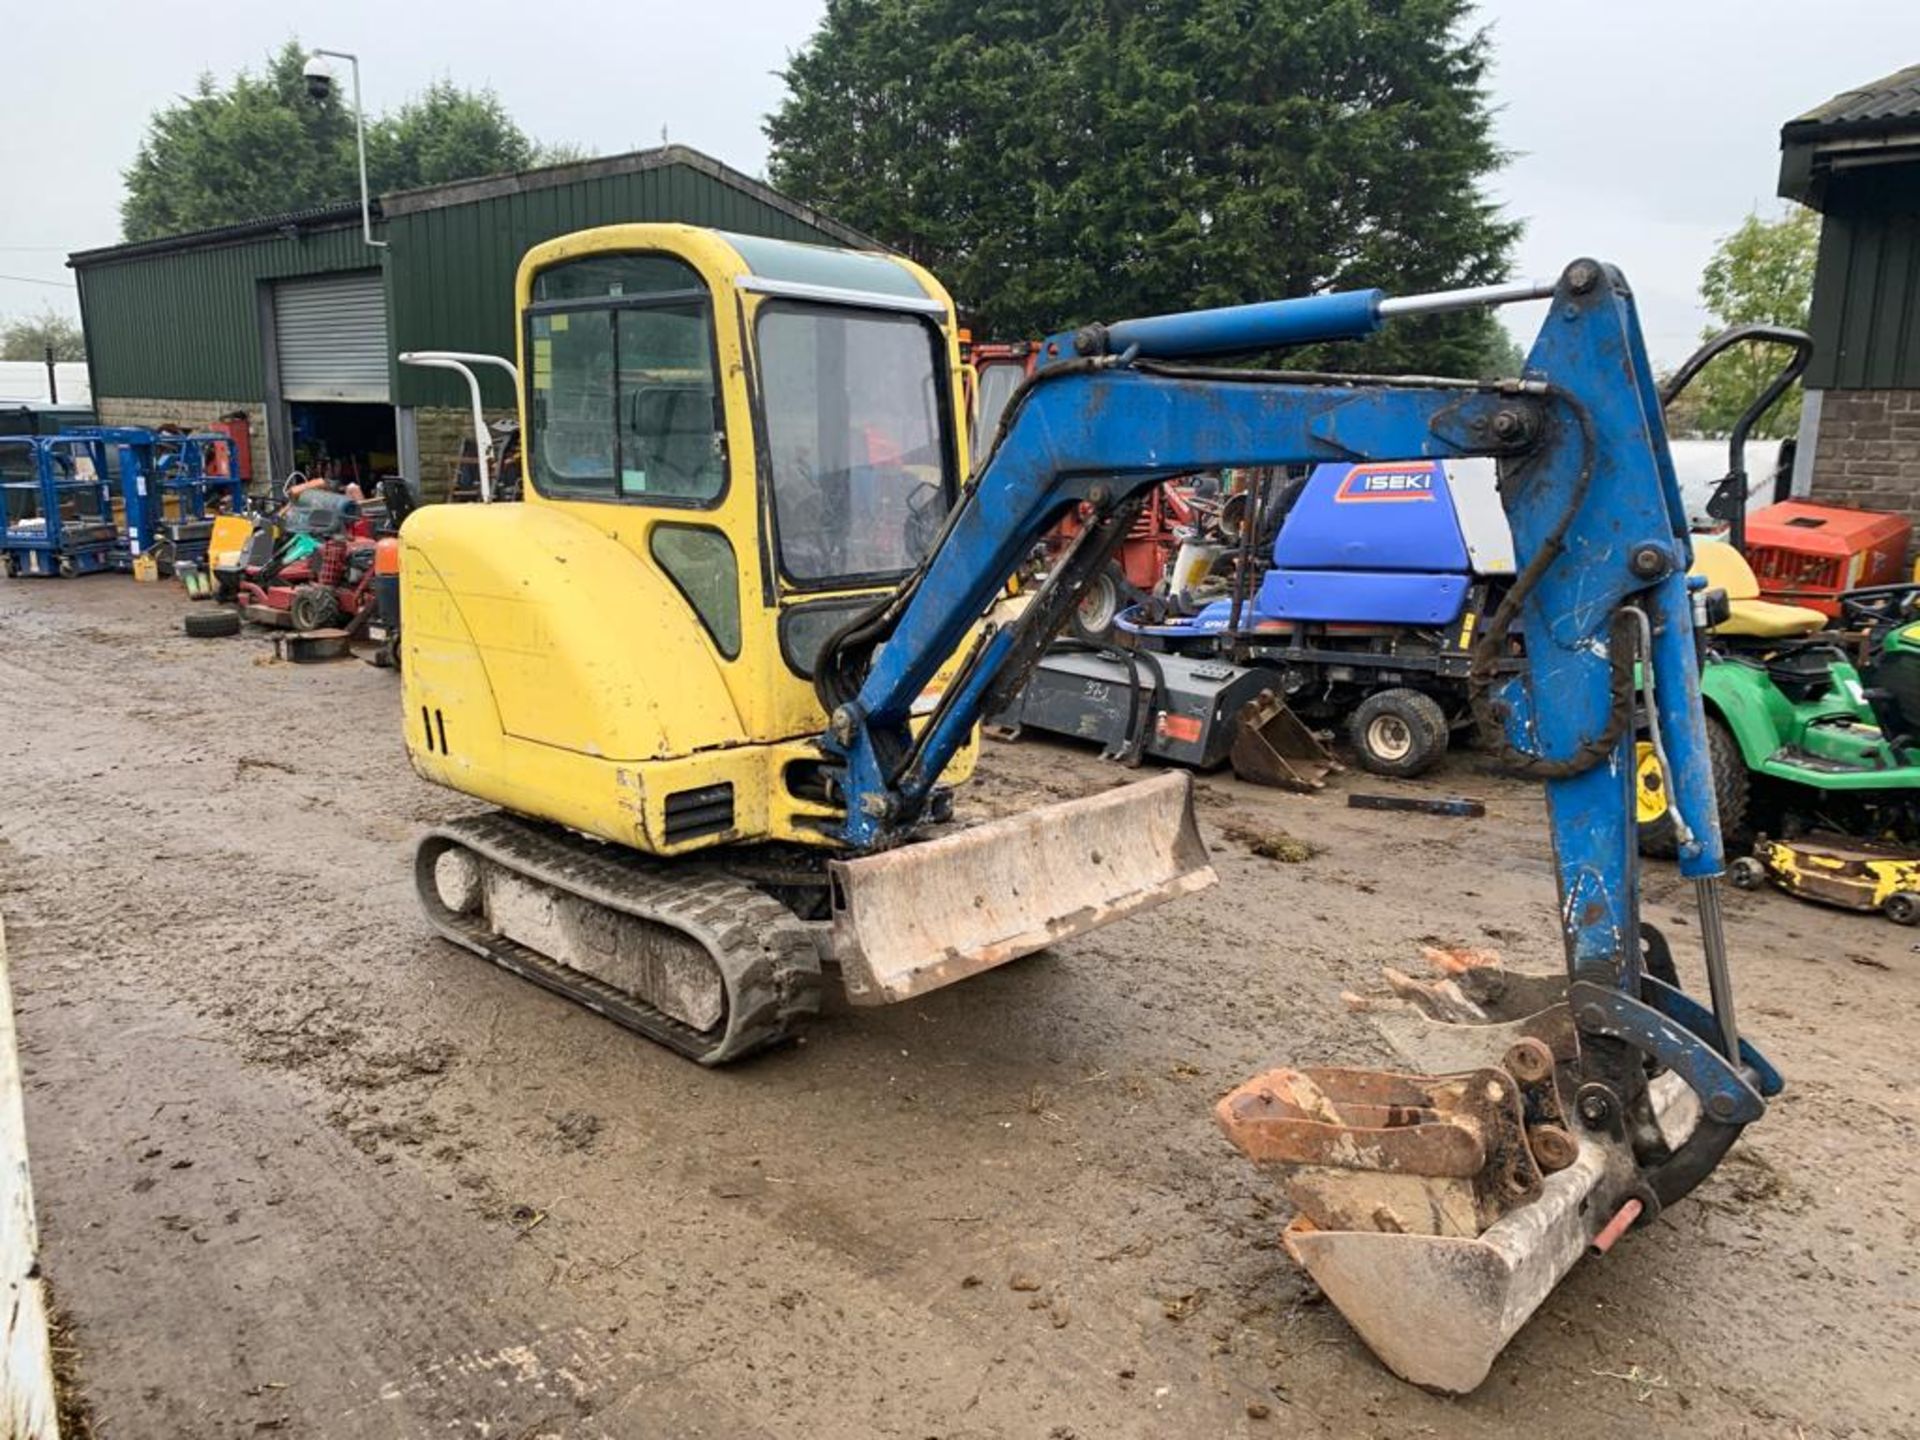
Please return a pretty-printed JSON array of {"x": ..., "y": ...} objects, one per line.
[{"x": 715, "y": 667}]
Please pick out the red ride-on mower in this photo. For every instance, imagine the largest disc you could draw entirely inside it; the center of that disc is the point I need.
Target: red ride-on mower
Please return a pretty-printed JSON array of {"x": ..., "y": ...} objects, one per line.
[{"x": 321, "y": 577}]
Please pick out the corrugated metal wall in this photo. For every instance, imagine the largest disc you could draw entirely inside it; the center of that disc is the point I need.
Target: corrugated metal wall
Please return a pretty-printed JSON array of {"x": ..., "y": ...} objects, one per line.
[
  {"x": 186, "y": 325},
  {"x": 452, "y": 268},
  {"x": 1866, "y": 292}
]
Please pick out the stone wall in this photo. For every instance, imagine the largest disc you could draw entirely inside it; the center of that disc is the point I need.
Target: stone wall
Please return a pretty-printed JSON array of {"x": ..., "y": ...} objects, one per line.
[
  {"x": 442, "y": 431},
  {"x": 190, "y": 415},
  {"x": 1868, "y": 453},
  {"x": 442, "y": 434}
]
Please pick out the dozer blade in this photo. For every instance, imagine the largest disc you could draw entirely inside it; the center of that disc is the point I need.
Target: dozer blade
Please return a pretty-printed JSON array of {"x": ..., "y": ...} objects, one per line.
[
  {"x": 1271, "y": 746},
  {"x": 910, "y": 920}
]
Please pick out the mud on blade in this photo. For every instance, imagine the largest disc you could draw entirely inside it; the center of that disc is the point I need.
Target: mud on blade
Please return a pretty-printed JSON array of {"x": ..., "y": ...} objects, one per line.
[{"x": 911, "y": 920}]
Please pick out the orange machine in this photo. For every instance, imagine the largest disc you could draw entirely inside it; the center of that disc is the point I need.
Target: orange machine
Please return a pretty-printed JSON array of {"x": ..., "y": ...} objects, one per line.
[
  {"x": 236, "y": 428},
  {"x": 1806, "y": 554}
]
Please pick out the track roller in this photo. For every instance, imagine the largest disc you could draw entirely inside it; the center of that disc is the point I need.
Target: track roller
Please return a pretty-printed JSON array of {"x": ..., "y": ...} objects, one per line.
[{"x": 683, "y": 953}]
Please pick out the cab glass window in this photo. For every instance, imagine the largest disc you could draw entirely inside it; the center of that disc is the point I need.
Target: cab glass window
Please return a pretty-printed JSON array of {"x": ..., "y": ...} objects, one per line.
[
  {"x": 613, "y": 276},
  {"x": 621, "y": 383},
  {"x": 701, "y": 564},
  {"x": 997, "y": 384},
  {"x": 857, "y": 450}
]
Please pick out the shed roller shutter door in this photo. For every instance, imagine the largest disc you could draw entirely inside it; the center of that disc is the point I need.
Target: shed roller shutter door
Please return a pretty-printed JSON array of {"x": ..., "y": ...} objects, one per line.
[{"x": 332, "y": 337}]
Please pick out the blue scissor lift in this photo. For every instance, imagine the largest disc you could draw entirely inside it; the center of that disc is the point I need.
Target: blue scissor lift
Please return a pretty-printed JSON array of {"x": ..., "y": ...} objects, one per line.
[
  {"x": 152, "y": 467},
  {"x": 58, "y": 509}
]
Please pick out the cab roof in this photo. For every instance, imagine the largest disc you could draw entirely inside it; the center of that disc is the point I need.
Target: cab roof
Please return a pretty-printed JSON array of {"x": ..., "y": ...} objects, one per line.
[{"x": 790, "y": 262}]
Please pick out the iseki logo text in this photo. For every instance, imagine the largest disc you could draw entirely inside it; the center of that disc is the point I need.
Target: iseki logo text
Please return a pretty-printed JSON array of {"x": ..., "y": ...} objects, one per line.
[{"x": 1386, "y": 482}]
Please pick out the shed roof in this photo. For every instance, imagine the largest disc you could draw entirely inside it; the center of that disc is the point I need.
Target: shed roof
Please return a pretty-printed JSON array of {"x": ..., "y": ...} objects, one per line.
[
  {"x": 483, "y": 188},
  {"x": 1891, "y": 102},
  {"x": 519, "y": 182},
  {"x": 1858, "y": 132},
  {"x": 315, "y": 217}
]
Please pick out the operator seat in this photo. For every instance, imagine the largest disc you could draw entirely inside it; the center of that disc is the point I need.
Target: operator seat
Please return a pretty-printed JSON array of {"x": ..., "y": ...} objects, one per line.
[{"x": 1725, "y": 568}]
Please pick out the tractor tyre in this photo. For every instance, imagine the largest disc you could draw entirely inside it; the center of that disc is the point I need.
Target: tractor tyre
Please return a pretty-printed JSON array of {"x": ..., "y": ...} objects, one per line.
[
  {"x": 1100, "y": 604},
  {"x": 1731, "y": 790},
  {"x": 314, "y": 607},
  {"x": 1398, "y": 732},
  {"x": 209, "y": 624}
]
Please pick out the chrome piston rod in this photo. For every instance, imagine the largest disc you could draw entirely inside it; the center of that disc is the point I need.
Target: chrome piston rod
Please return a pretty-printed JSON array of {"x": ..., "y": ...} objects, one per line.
[{"x": 1477, "y": 297}]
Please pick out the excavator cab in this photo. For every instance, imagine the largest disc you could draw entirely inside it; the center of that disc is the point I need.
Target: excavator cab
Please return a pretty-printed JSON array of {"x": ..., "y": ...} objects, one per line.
[{"x": 734, "y": 446}]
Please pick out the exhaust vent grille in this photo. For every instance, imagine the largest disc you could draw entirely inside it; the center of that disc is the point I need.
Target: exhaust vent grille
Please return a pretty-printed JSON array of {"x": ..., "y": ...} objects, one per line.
[{"x": 694, "y": 813}]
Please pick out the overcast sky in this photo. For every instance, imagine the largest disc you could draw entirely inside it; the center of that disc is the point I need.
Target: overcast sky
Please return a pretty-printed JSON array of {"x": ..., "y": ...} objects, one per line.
[{"x": 1641, "y": 129}]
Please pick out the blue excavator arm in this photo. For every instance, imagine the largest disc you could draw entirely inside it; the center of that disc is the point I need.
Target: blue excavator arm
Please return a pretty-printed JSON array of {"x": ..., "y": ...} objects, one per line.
[{"x": 1600, "y": 611}]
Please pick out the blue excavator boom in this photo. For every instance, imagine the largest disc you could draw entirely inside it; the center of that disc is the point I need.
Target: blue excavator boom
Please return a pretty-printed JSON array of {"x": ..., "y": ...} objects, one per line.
[{"x": 1587, "y": 1104}]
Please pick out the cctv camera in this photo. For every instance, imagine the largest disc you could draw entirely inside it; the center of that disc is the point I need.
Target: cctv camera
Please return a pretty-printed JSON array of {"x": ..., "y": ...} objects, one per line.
[{"x": 319, "y": 78}]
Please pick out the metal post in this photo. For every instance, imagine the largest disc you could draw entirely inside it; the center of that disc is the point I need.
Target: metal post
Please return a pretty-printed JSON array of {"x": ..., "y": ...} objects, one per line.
[
  {"x": 462, "y": 361},
  {"x": 360, "y": 137},
  {"x": 53, "y": 380}
]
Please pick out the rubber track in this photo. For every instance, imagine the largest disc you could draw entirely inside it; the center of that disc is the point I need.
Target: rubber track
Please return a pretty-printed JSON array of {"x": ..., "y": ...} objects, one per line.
[{"x": 769, "y": 965}]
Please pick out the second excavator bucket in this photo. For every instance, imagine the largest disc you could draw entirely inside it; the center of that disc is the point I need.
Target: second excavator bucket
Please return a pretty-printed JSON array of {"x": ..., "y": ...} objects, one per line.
[
  {"x": 911, "y": 920},
  {"x": 1272, "y": 747}
]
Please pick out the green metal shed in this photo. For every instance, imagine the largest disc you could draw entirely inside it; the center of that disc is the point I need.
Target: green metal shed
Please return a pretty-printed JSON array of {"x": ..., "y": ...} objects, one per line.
[{"x": 298, "y": 321}]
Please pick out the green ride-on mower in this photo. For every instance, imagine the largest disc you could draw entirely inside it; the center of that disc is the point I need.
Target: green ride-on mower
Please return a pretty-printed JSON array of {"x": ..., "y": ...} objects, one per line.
[
  {"x": 1814, "y": 733},
  {"x": 1816, "y": 761}
]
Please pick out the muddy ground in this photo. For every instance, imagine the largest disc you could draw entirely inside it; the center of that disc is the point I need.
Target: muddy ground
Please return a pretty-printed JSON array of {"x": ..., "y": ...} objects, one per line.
[{"x": 306, "y": 1171}]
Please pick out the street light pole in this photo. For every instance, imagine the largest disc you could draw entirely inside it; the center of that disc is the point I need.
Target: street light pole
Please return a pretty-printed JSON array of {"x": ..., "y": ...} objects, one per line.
[{"x": 360, "y": 135}]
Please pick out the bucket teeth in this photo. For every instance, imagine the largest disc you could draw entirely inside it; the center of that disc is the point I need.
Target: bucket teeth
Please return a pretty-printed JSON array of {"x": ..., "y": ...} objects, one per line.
[{"x": 1372, "y": 1150}]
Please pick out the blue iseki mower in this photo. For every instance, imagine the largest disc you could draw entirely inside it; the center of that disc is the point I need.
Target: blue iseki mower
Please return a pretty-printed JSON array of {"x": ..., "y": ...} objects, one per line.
[{"x": 1355, "y": 603}]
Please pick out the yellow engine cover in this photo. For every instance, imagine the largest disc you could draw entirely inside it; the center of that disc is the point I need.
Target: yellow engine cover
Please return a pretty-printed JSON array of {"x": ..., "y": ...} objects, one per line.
[{"x": 571, "y": 632}]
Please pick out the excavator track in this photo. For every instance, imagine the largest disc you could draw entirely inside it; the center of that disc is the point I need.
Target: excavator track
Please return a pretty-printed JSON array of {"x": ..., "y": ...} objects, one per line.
[{"x": 689, "y": 956}]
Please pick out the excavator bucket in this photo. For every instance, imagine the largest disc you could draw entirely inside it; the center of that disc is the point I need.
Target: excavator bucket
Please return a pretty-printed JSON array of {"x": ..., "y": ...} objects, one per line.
[
  {"x": 1272, "y": 747},
  {"x": 1436, "y": 1305},
  {"x": 1438, "y": 1211},
  {"x": 910, "y": 920}
]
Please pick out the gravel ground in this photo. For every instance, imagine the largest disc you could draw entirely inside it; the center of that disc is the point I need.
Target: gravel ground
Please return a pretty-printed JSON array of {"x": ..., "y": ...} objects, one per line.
[{"x": 304, "y": 1170}]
